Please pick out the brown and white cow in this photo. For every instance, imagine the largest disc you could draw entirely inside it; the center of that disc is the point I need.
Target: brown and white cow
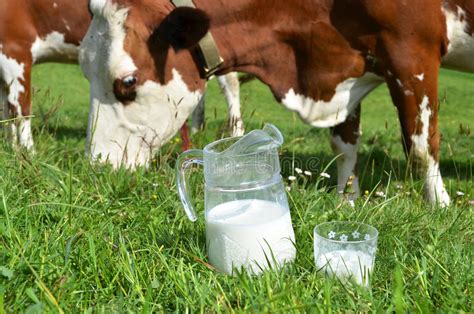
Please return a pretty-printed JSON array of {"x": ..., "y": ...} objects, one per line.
[
  {"x": 319, "y": 58},
  {"x": 39, "y": 31},
  {"x": 33, "y": 32}
]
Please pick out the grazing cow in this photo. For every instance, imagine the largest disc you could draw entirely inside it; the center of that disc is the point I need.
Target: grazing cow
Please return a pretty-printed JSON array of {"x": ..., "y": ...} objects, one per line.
[
  {"x": 319, "y": 58},
  {"x": 39, "y": 31},
  {"x": 33, "y": 32}
]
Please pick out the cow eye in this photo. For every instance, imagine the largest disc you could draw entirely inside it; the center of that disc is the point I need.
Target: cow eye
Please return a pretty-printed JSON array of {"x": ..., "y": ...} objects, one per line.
[{"x": 129, "y": 81}]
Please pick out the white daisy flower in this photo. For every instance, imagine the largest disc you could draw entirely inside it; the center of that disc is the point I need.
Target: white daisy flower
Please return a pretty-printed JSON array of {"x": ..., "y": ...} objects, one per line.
[
  {"x": 325, "y": 175},
  {"x": 308, "y": 173},
  {"x": 367, "y": 237},
  {"x": 380, "y": 194},
  {"x": 399, "y": 186},
  {"x": 459, "y": 193},
  {"x": 356, "y": 234},
  {"x": 292, "y": 178},
  {"x": 155, "y": 185},
  {"x": 331, "y": 235},
  {"x": 288, "y": 188},
  {"x": 298, "y": 171},
  {"x": 343, "y": 238}
]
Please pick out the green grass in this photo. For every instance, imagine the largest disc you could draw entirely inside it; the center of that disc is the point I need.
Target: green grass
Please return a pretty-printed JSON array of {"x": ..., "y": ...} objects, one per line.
[{"x": 78, "y": 238}]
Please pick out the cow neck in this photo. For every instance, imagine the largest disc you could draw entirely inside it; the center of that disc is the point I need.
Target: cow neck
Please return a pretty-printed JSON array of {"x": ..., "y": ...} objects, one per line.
[
  {"x": 249, "y": 43},
  {"x": 208, "y": 54}
]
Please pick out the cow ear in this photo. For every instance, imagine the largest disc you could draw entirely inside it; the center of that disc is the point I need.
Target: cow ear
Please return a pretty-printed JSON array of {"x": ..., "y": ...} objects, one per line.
[{"x": 184, "y": 27}]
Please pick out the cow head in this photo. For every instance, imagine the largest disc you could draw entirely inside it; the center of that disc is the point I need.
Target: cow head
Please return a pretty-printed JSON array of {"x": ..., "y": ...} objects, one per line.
[{"x": 144, "y": 82}]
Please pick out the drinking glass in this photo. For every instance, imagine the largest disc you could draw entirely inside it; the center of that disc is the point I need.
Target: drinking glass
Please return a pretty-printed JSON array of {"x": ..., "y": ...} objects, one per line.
[{"x": 346, "y": 250}]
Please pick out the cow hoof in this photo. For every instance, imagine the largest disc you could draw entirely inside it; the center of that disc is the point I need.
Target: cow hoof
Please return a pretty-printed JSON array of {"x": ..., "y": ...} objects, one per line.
[
  {"x": 238, "y": 128},
  {"x": 441, "y": 197}
]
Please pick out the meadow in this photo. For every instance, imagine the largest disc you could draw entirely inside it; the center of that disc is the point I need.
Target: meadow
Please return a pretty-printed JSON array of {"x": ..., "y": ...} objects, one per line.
[{"x": 81, "y": 238}]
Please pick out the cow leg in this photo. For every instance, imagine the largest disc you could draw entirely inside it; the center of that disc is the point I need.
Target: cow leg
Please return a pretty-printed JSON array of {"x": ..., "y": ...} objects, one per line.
[
  {"x": 198, "y": 116},
  {"x": 184, "y": 131},
  {"x": 413, "y": 85},
  {"x": 25, "y": 135},
  {"x": 17, "y": 105},
  {"x": 230, "y": 86},
  {"x": 4, "y": 106},
  {"x": 345, "y": 143}
]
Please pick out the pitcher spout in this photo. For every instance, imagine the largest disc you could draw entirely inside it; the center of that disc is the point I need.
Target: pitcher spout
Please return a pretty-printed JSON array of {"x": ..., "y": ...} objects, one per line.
[{"x": 256, "y": 141}]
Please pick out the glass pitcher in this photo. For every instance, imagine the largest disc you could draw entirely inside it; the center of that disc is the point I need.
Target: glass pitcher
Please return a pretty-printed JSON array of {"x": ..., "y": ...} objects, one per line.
[{"x": 248, "y": 222}]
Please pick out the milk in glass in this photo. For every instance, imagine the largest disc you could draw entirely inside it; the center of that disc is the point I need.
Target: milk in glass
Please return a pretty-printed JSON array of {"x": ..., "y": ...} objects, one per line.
[{"x": 355, "y": 265}]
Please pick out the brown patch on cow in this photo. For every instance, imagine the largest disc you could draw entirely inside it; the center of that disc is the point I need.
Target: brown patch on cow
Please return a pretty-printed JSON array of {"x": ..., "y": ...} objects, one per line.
[
  {"x": 150, "y": 48},
  {"x": 349, "y": 129},
  {"x": 25, "y": 97},
  {"x": 184, "y": 132},
  {"x": 434, "y": 135}
]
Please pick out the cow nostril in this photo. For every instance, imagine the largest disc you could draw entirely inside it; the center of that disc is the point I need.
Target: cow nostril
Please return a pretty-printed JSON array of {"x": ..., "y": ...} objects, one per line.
[{"x": 129, "y": 81}]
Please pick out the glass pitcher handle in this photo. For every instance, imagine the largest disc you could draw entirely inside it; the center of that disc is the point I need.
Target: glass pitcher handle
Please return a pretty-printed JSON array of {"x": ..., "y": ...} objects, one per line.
[{"x": 186, "y": 159}]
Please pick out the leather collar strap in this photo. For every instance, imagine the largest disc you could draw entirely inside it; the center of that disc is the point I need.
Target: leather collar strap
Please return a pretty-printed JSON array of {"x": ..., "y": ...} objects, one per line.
[{"x": 209, "y": 53}]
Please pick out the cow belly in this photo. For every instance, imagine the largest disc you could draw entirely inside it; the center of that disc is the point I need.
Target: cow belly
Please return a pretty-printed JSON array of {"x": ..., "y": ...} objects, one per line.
[
  {"x": 460, "y": 54},
  {"x": 323, "y": 114},
  {"x": 54, "y": 48}
]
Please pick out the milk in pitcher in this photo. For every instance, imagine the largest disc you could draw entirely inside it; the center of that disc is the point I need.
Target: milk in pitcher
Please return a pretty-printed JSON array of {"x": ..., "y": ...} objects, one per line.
[{"x": 249, "y": 233}]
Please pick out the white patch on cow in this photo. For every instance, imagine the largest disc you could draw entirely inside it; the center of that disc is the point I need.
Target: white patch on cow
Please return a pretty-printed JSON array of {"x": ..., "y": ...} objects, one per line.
[
  {"x": 120, "y": 62},
  {"x": 55, "y": 5},
  {"x": 434, "y": 187},
  {"x": 409, "y": 92},
  {"x": 98, "y": 6},
  {"x": 399, "y": 82},
  {"x": 420, "y": 77},
  {"x": 25, "y": 135},
  {"x": 320, "y": 113},
  {"x": 11, "y": 73},
  {"x": 460, "y": 54},
  {"x": 53, "y": 48},
  {"x": 420, "y": 141},
  {"x": 346, "y": 164},
  {"x": 389, "y": 73}
]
